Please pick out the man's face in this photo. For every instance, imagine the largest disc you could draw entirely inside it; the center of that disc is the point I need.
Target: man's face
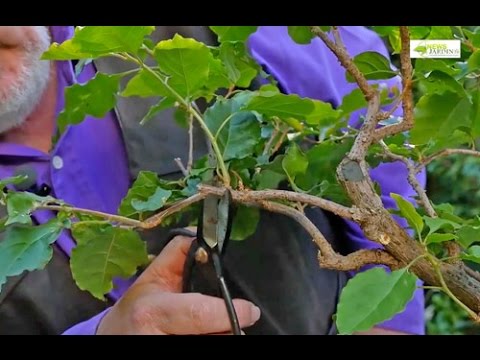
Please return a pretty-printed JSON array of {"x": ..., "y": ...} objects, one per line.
[{"x": 23, "y": 76}]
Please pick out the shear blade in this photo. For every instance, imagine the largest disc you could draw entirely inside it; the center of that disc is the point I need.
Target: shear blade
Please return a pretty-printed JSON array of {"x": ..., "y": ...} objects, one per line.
[{"x": 210, "y": 221}]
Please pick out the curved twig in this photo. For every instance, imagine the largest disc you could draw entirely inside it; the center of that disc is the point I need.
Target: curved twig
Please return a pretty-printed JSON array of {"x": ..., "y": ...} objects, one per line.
[
  {"x": 445, "y": 152},
  {"x": 342, "y": 55},
  {"x": 327, "y": 257},
  {"x": 157, "y": 219},
  {"x": 247, "y": 196}
]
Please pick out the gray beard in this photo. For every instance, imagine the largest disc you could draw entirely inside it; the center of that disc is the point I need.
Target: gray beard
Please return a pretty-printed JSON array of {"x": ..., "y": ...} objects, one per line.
[{"x": 24, "y": 95}]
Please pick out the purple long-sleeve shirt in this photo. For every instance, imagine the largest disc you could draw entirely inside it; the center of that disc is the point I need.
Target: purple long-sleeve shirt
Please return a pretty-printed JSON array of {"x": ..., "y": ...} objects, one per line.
[{"x": 81, "y": 172}]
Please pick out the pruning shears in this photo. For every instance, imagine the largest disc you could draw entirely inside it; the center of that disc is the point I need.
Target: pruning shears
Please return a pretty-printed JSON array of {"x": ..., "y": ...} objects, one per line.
[
  {"x": 203, "y": 271},
  {"x": 204, "y": 260}
]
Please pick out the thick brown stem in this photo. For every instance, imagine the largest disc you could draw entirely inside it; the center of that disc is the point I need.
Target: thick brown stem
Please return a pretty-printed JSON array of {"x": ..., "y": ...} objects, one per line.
[
  {"x": 382, "y": 228},
  {"x": 248, "y": 196},
  {"x": 407, "y": 104},
  {"x": 353, "y": 174},
  {"x": 412, "y": 179},
  {"x": 365, "y": 137},
  {"x": 327, "y": 257},
  {"x": 358, "y": 259},
  {"x": 346, "y": 61}
]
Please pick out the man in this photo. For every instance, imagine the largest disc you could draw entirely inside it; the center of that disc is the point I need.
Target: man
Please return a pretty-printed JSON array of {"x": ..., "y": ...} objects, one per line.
[{"x": 299, "y": 298}]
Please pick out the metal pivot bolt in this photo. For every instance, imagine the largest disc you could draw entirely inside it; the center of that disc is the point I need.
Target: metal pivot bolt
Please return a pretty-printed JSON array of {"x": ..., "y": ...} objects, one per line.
[{"x": 201, "y": 255}]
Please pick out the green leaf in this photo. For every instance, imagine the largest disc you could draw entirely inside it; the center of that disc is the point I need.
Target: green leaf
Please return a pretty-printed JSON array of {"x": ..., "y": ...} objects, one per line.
[
  {"x": 12, "y": 180},
  {"x": 440, "y": 33},
  {"x": 419, "y": 32},
  {"x": 19, "y": 208},
  {"x": 191, "y": 188},
  {"x": 373, "y": 65},
  {"x": 401, "y": 150},
  {"x": 242, "y": 136},
  {"x": 438, "y": 238},
  {"x": 446, "y": 211},
  {"x": 242, "y": 167},
  {"x": 428, "y": 65},
  {"x": 228, "y": 57},
  {"x": 467, "y": 235},
  {"x": 180, "y": 116},
  {"x": 438, "y": 223},
  {"x": 271, "y": 173},
  {"x": 94, "y": 98},
  {"x": 240, "y": 67},
  {"x": 295, "y": 162},
  {"x": 145, "y": 84},
  {"x": 3, "y": 226},
  {"x": 323, "y": 159},
  {"x": 187, "y": 61},
  {"x": 233, "y": 33},
  {"x": 355, "y": 100},
  {"x": 145, "y": 194},
  {"x": 21, "y": 204},
  {"x": 393, "y": 34},
  {"x": 268, "y": 179},
  {"x": 95, "y": 41},
  {"x": 473, "y": 254},
  {"x": 102, "y": 253},
  {"x": 237, "y": 132},
  {"x": 372, "y": 297},
  {"x": 245, "y": 222},
  {"x": 409, "y": 212},
  {"x": 269, "y": 90},
  {"x": 475, "y": 114},
  {"x": 437, "y": 116},
  {"x": 27, "y": 248},
  {"x": 474, "y": 61},
  {"x": 217, "y": 79},
  {"x": 154, "y": 202},
  {"x": 292, "y": 106},
  {"x": 384, "y": 30},
  {"x": 163, "y": 104},
  {"x": 474, "y": 37},
  {"x": 301, "y": 34},
  {"x": 438, "y": 82}
]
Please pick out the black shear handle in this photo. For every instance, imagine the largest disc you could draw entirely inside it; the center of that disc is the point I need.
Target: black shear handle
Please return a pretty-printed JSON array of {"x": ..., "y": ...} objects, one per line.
[
  {"x": 206, "y": 277},
  {"x": 197, "y": 277}
]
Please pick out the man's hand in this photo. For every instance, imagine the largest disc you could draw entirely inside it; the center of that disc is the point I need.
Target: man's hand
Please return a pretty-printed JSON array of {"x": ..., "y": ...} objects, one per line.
[{"x": 155, "y": 305}]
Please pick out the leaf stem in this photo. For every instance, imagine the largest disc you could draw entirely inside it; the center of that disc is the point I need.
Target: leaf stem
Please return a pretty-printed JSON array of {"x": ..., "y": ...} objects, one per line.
[
  {"x": 415, "y": 260},
  {"x": 190, "y": 144},
  {"x": 223, "y": 125},
  {"x": 445, "y": 152},
  {"x": 182, "y": 168},
  {"x": 221, "y": 163},
  {"x": 449, "y": 292},
  {"x": 110, "y": 217},
  {"x": 431, "y": 288}
]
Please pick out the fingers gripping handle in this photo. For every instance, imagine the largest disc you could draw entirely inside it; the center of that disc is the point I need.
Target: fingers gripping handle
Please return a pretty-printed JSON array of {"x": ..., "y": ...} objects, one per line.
[{"x": 204, "y": 266}]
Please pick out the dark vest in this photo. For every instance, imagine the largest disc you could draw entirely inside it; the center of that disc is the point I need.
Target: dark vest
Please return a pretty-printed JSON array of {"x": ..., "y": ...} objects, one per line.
[{"x": 276, "y": 268}]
